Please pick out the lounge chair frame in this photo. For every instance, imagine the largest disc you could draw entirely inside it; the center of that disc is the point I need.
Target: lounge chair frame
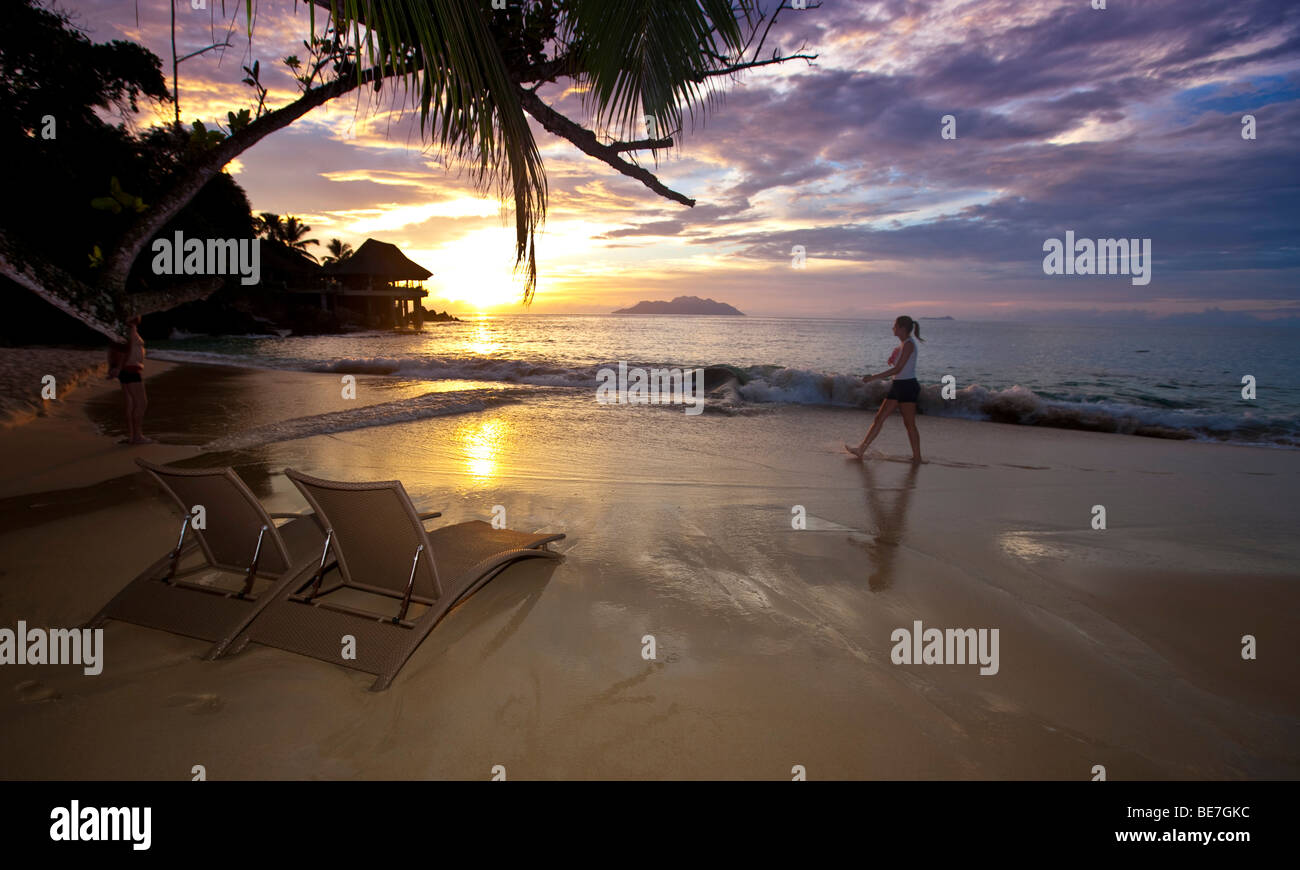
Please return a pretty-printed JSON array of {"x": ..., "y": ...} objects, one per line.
[
  {"x": 159, "y": 598},
  {"x": 446, "y": 566}
]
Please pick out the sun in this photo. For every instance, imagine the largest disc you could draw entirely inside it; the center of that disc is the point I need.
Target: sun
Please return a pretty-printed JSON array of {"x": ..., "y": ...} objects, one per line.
[{"x": 476, "y": 271}]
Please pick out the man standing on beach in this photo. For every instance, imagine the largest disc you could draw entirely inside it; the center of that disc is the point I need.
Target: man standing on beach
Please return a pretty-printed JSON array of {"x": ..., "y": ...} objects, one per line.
[{"x": 126, "y": 363}]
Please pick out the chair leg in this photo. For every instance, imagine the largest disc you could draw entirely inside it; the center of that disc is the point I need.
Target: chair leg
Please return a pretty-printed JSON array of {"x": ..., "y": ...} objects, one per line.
[{"x": 231, "y": 648}]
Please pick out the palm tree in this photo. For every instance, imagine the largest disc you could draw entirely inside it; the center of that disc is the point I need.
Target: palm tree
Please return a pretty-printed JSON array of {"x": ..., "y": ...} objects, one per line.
[
  {"x": 338, "y": 252},
  {"x": 291, "y": 235},
  {"x": 286, "y": 231},
  {"x": 475, "y": 75},
  {"x": 638, "y": 64},
  {"x": 269, "y": 226}
]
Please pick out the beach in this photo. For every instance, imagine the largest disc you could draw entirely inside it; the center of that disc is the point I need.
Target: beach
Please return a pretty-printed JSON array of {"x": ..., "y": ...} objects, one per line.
[
  {"x": 1118, "y": 647},
  {"x": 28, "y": 373}
]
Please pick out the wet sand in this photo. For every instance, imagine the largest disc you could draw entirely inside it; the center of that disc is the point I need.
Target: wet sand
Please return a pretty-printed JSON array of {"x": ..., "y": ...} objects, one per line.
[{"x": 1118, "y": 647}]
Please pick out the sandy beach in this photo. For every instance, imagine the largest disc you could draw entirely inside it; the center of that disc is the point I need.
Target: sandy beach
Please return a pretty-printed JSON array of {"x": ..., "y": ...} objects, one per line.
[
  {"x": 26, "y": 374},
  {"x": 1119, "y": 647}
]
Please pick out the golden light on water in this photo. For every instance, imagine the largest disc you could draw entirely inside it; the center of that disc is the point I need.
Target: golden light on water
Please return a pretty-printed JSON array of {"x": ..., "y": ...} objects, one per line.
[
  {"x": 1029, "y": 546},
  {"x": 480, "y": 443},
  {"x": 482, "y": 342}
]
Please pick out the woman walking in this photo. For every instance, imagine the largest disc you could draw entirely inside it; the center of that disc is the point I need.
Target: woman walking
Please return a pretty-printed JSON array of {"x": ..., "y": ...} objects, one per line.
[{"x": 903, "y": 392}]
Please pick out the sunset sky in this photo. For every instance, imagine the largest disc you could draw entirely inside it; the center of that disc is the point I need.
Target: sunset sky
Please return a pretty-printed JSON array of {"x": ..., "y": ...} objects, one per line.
[{"x": 1124, "y": 122}]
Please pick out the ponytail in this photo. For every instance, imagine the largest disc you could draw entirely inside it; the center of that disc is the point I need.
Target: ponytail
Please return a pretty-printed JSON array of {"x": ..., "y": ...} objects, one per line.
[{"x": 913, "y": 328}]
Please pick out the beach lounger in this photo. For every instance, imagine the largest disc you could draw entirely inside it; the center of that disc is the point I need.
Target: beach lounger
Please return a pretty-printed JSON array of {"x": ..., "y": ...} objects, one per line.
[
  {"x": 236, "y": 535},
  {"x": 408, "y": 577}
]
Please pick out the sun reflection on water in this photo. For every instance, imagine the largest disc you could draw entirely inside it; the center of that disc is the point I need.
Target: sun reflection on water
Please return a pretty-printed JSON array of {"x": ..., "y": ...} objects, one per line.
[
  {"x": 1029, "y": 546},
  {"x": 481, "y": 442},
  {"x": 482, "y": 341}
]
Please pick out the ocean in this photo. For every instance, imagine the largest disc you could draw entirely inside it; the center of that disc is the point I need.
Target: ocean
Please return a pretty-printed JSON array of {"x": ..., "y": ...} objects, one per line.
[{"x": 1172, "y": 381}]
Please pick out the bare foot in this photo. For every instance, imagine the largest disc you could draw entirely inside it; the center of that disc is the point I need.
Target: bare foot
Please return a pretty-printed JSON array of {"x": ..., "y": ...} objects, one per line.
[
  {"x": 916, "y": 460},
  {"x": 143, "y": 440},
  {"x": 857, "y": 452}
]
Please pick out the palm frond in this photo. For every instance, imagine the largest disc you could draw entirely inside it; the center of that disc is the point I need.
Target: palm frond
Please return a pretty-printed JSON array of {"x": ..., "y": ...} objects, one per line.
[
  {"x": 645, "y": 59},
  {"x": 443, "y": 52}
]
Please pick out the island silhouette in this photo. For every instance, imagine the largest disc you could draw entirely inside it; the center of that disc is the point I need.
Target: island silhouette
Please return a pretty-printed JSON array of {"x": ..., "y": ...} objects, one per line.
[{"x": 681, "y": 305}]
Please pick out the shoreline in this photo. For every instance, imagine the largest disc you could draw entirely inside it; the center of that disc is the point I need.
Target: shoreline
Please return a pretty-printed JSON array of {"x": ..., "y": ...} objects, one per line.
[
  {"x": 744, "y": 389},
  {"x": 85, "y": 388},
  {"x": 22, "y": 378},
  {"x": 1118, "y": 647}
]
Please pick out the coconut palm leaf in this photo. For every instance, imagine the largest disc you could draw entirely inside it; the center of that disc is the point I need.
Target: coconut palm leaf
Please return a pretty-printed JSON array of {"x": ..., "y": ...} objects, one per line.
[
  {"x": 338, "y": 251},
  {"x": 269, "y": 226},
  {"x": 292, "y": 233},
  {"x": 443, "y": 53},
  {"x": 644, "y": 59},
  {"x": 636, "y": 57}
]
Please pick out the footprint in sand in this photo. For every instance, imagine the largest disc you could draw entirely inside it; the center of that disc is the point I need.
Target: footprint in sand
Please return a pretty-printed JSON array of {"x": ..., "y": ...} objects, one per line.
[
  {"x": 197, "y": 704},
  {"x": 34, "y": 691}
]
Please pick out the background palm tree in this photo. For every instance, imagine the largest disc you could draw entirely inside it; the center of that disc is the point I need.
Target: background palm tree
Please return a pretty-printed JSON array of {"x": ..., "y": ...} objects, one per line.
[
  {"x": 639, "y": 65},
  {"x": 292, "y": 233},
  {"x": 338, "y": 252},
  {"x": 269, "y": 226},
  {"x": 473, "y": 72},
  {"x": 287, "y": 231}
]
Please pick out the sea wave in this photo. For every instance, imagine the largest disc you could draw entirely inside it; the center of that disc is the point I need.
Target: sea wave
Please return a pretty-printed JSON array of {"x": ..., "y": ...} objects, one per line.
[
  {"x": 510, "y": 371},
  {"x": 1150, "y": 416},
  {"x": 739, "y": 389},
  {"x": 178, "y": 334},
  {"x": 367, "y": 416}
]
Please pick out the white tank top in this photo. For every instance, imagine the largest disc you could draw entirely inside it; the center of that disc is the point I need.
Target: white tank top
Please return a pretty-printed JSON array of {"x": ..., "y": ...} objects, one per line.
[{"x": 909, "y": 367}]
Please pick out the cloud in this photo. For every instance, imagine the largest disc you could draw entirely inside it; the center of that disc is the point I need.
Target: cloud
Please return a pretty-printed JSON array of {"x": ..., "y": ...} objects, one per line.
[{"x": 1122, "y": 122}]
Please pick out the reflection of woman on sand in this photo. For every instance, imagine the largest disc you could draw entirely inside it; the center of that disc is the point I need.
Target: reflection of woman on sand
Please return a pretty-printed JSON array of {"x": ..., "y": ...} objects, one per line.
[
  {"x": 904, "y": 391},
  {"x": 126, "y": 363},
  {"x": 890, "y": 522}
]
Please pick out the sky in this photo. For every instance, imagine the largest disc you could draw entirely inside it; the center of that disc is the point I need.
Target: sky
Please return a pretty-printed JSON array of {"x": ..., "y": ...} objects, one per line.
[{"x": 1123, "y": 122}]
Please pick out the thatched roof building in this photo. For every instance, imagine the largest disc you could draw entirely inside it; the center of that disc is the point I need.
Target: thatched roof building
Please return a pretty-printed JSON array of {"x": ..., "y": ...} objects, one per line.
[
  {"x": 379, "y": 283},
  {"x": 381, "y": 262}
]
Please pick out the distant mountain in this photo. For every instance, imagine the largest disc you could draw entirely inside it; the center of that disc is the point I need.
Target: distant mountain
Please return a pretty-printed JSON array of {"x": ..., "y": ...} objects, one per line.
[
  {"x": 681, "y": 305},
  {"x": 935, "y": 318}
]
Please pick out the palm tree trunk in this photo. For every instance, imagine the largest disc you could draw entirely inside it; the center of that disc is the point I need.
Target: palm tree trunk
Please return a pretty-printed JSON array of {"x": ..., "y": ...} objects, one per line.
[
  {"x": 91, "y": 305},
  {"x": 118, "y": 265}
]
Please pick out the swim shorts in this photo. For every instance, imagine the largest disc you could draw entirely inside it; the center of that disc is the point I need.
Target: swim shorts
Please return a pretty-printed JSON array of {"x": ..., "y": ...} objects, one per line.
[{"x": 905, "y": 390}]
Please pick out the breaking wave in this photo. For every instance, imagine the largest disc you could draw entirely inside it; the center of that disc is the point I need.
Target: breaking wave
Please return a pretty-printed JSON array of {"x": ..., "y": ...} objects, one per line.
[
  {"x": 1150, "y": 416},
  {"x": 508, "y": 371},
  {"x": 734, "y": 389}
]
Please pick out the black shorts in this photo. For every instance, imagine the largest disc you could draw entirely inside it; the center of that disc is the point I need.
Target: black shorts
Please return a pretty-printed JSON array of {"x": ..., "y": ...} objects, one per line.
[
  {"x": 906, "y": 390},
  {"x": 127, "y": 376}
]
